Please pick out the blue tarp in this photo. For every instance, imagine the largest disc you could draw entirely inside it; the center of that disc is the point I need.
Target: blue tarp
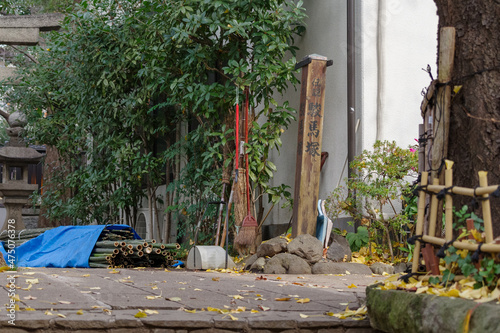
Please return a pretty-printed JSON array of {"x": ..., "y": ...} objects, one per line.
[{"x": 66, "y": 246}]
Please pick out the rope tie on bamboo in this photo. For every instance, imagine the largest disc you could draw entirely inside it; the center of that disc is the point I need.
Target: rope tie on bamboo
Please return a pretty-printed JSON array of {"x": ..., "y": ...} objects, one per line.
[
  {"x": 415, "y": 238},
  {"x": 477, "y": 253},
  {"x": 442, "y": 251},
  {"x": 421, "y": 188},
  {"x": 496, "y": 193},
  {"x": 445, "y": 191},
  {"x": 475, "y": 200}
]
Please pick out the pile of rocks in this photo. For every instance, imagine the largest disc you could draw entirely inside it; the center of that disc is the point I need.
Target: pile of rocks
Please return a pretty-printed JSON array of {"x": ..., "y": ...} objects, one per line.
[{"x": 304, "y": 255}]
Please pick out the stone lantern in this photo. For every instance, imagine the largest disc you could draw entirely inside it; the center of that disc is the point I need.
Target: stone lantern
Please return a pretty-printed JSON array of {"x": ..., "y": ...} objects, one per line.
[{"x": 16, "y": 158}]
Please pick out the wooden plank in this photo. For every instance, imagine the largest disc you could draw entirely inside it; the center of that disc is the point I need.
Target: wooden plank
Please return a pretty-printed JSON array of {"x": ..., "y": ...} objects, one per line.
[
  {"x": 441, "y": 119},
  {"x": 308, "y": 163}
]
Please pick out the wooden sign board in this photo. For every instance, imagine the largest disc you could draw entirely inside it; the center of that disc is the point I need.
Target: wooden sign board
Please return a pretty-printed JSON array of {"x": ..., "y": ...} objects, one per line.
[{"x": 308, "y": 163}]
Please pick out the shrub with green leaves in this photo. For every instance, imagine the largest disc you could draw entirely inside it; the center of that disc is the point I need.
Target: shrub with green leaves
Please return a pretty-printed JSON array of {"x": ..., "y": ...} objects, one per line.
[
  {"x": 380, "y": 179},
  {"x": 123, "y": 77}
]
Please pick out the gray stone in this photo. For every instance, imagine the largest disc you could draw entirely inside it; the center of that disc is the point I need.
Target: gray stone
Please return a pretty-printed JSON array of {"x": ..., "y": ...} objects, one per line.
[
  {"x": 286, "y": 263},
  {"x": 258, "y": 265},
  {"x": 330, "y": 267},
  {"x": 339, "y": 249},
  {"x": 401, "y": 267},
  {"x": 19, "y": 36},
  {"x": 45, "y": 22},
  {"x": 272, "y": 247},
  {"x": 307, "y": 247},
  {"x": 400, "y": 311},
  {"x": 249, "y": 261},
  {"x": 380, "y": 268},
  {"x": 7, "y": 72}
]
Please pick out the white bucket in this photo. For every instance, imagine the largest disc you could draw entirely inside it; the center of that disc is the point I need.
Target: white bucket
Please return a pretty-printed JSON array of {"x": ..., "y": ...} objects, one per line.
[{"x": 208, "y": 257}]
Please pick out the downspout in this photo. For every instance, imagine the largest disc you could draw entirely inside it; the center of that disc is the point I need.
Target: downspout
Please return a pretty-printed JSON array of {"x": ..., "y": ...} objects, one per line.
[
  {"x": 380, "y": 67},
  {"x": 351, "y": 94},
  {"x": 351, "y": 86}
]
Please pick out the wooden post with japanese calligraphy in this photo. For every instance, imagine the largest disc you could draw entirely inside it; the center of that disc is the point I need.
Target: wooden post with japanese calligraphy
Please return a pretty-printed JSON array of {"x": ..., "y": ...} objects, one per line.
[{"x": 307, "y": 171}]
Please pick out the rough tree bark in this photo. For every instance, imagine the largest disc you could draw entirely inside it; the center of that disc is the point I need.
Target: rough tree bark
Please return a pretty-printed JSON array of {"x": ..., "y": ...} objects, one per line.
[{"x": 474, "y": 141}]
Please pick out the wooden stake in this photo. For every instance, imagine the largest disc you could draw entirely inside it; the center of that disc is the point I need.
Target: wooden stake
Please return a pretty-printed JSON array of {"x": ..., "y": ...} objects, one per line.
[
  {"x": 434, "y": 209},
  {"x": 488, "y": 227},
  {"x": 308, "y": 163},
  {"x": 420, "y": 222},
  {"x": 442, "y": 117},
  {"x": 448, "y": 182}
]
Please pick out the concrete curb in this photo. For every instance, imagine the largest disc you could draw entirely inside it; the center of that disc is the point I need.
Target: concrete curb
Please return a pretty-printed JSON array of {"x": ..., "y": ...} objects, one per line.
[{"x": 399, "y": 311}]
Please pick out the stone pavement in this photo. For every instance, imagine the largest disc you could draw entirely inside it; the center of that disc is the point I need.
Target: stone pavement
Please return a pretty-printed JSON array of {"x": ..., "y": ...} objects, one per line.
[{"x": 175, "y": 301}]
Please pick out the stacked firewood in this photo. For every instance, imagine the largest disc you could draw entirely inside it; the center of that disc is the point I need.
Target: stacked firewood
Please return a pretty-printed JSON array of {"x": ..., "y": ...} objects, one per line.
[
  {"x": 118, "y": 248},
  {"x": 21, "y": 236},
  {"x": 115, "y": 248}
]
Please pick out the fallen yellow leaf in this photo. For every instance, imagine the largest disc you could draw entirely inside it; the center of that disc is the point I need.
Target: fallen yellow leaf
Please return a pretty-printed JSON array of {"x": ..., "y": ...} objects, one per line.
[
  {"x": 86, "y": 275},
  {"x": 32, "y": 281},
  {"x": 283, "y": 299},
  {"x": 28, "y": 288},
  {"x": 114, "y": 271},
  {"x": 79, "y": 312},
  {"x": 61, "y": 315},
  {"x": 141, "y": 314},
  {"x": 352, "y": 286},
  {"x": 153, "y": 297},
  {"x": 236, "y": 296},
  {"x": 303, "y": 315},
  {"x": 29, "y": 309},
  {"x": 254, "y": 311},
  {"x": 303, "y": 300},
  {"x": 48, "y": 313},
  {"x": 151, "y": 311},
  {"x": 215, "y": 278},
  {"x": 190, "y": 311},
  {"x": 174, "y": 299}
]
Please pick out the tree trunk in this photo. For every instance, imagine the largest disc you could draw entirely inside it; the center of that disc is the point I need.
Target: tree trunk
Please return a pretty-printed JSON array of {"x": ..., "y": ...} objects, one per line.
[
  {"x": 474, "y": 141},
  {"x": 52, "y": 165}
]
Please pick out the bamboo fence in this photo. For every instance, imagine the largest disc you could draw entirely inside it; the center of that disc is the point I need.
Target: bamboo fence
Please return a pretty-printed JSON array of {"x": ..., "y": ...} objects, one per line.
[{"x": 436, "y": 193}]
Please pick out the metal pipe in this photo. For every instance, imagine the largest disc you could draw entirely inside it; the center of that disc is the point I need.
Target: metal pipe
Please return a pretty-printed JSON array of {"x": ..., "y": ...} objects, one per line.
[{"x": 351, "y": 85}]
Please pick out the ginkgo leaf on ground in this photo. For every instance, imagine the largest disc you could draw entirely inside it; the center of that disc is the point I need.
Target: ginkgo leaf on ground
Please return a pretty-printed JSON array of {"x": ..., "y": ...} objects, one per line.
[
  {"x": 141, "y": 314},
  {"x": 282, "y": 299},
  {"x": 174, "y": 299},
  {"x": 79, "y": 312},
  {"x": 303, "y": 300}
]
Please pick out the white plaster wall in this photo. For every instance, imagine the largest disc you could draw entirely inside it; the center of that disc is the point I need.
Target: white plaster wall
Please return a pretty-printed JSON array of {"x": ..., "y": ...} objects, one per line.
[{"x": 409, "y": 43}]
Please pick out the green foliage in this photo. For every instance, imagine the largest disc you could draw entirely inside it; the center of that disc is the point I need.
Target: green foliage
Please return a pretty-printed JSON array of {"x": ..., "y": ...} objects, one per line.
[
  {"x": 461, "y": 262},
  {"x": 380, "y": 179},
  {"x": 359, "y": 239},
  {"x": 462, "y": 215},
  {"x": 122, "y": 76}
]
